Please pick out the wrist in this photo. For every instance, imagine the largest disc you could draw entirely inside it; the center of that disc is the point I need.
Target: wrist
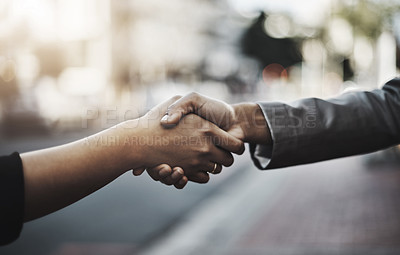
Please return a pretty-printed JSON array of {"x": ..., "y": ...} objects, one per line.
[
  {"x": 116, "y": 149},
  {"x": 250, "y": 118},
  {"x": 132, "y": 147}
]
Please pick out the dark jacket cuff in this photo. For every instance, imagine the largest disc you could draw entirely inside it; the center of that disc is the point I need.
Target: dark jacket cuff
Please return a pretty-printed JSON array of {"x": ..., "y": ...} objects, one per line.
[{"x": 11, "y": 198}]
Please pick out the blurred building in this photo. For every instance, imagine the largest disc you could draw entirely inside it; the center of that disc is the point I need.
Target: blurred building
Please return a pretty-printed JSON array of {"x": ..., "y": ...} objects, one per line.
[{"x": 60, "y": 59}]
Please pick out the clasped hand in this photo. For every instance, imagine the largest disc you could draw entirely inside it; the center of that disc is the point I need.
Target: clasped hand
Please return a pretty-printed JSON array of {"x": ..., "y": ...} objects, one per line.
[{"x": 188, "y": 141}]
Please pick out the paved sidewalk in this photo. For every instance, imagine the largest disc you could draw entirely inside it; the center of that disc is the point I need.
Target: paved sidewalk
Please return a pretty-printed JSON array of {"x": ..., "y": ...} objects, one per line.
[{"x": 335, "y": 207}]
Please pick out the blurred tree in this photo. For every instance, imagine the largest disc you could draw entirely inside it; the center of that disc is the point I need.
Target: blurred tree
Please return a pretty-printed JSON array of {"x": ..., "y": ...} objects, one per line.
[{"x": 368, "y": 18}]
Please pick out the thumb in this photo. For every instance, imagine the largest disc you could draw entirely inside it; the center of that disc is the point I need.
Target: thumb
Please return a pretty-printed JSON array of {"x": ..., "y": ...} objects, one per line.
[
  {"x": 185, "y": 105},
  {"x": 172, "y": 117}
]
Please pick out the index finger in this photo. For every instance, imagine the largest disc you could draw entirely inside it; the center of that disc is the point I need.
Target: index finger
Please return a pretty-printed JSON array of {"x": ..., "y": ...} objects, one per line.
[{"x": 227, "y": 141}]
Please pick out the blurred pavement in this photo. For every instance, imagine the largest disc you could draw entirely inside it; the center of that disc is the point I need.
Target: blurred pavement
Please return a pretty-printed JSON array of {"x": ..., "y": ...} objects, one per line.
[{"x": 334, "y": 207}]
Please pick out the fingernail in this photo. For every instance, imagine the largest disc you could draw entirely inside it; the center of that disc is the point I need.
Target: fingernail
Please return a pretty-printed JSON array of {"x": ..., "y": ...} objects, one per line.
[{"x": 165, "y": 118}]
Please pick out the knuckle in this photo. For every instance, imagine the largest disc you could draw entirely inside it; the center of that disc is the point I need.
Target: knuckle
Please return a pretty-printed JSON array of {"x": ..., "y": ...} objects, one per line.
[
  {"x": 177, "y": 97},
  {"x": 193, "y": 95},
  {"x": 164, "y": 173},
  {"x": 176, "y": 177}
]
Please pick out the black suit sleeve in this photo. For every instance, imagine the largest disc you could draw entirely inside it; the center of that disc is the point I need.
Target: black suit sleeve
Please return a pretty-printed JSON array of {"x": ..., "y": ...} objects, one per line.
[
  {"x": 312, "y": 129},
  {"x": 11, "y": 198}
]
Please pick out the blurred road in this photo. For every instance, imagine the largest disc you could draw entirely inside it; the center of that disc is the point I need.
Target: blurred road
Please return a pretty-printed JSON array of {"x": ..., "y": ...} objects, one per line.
[
  {"x": 338, "y": 207},
  {"x": 335, "y": 207},
  {"x": 118, "y": 219}
]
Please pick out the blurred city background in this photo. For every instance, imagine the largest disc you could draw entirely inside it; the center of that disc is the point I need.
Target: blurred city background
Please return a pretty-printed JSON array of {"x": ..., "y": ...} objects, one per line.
[{"x": 69, "y": 68}]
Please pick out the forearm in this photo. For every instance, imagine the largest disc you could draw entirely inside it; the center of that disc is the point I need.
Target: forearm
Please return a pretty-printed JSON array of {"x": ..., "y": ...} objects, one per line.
[
  {"x": 312, "y": 130},
  {"x": 59, "y": 176}
]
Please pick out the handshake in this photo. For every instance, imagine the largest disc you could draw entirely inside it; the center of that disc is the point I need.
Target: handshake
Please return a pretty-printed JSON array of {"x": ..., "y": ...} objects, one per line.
[
  {"x": 187, "y": 138},
  {"x": 183, "y": 139}
]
